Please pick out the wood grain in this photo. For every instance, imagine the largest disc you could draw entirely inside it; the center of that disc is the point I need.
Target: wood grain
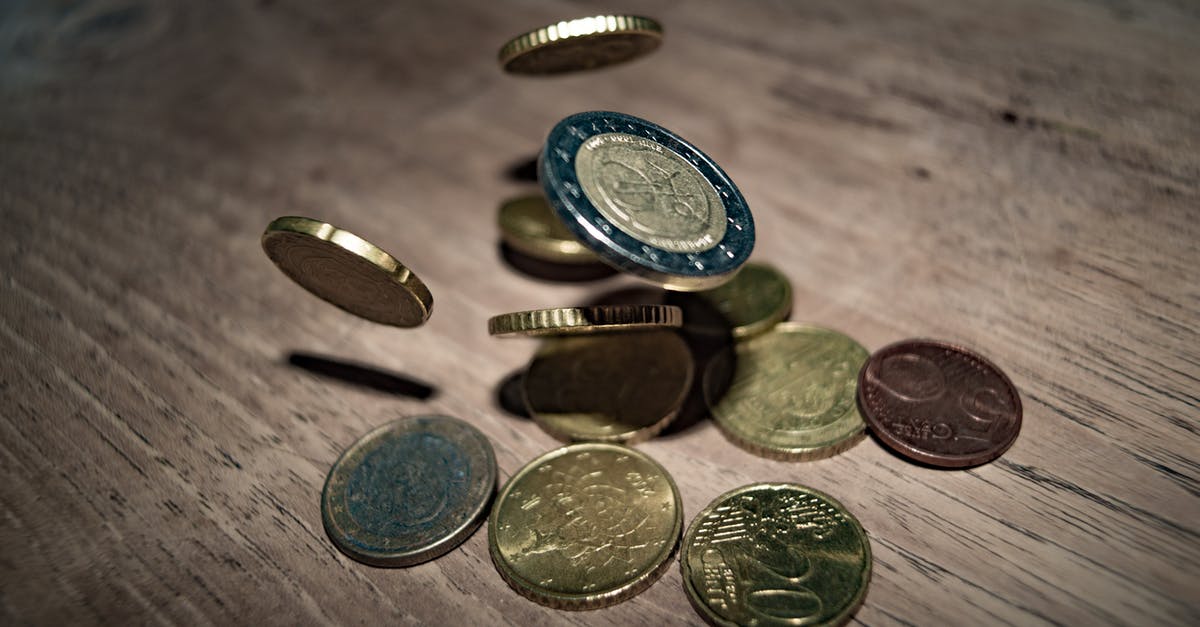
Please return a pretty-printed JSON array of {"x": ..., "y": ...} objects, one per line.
[{"x": 1022, "y": 177}]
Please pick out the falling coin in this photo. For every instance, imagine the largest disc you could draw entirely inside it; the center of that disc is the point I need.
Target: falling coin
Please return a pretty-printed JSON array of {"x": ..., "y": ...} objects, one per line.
[
  {"x": 581, "y": 44},
  {"x": 755, "y": 300},
  {"x": 530, "y": 226},
  {"x": 585, "y": 320}
]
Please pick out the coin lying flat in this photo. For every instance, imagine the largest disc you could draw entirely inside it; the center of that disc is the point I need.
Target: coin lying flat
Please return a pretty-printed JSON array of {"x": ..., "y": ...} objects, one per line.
[
  {"x": 939, "y": 404},
  {"x": 585, "y": 526},
  {"x": 347, "y": 271},
  {"x": 792, "y": 393},
  {"x": 645, "y": 200},
  {"x": 531, "y": 227},
  {"x": 409, "y": 491},
  {"x": 585, "y": 320},
  {"x": 616, "y": 388},
  {"x": 775, "y": 554},
  {"x": 582, "y": 44},
  {"x": 755, "y": 300}
]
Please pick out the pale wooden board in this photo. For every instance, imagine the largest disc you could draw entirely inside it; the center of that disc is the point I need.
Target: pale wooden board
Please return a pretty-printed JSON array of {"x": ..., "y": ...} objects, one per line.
[{"x": 1023, "y": 177}]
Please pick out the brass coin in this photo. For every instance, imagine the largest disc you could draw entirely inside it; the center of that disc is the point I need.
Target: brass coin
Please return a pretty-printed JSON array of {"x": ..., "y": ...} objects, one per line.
[
  {"x": 581, "y": 44},
  {"x": 585, "y": 526},
  {"x": 793, "y": 393},
  {"x": 531, "y": 227},
  {"x": 755, "y": 300},
  {"x": 618, "y": 388},
  {"x": 347, "y": 271},
  {"x": 585, "y": 320},
  {"x": 776, "y": 554}
]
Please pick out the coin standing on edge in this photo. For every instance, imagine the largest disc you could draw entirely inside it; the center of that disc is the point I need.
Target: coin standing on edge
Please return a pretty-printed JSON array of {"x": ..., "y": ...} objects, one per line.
[
  {"x": 586, "y": 320},
  {"x": 585, "y": 526},
  {"x": 793, "y": 393},
  {"x": 939, "y": 404},
  {"x": 409, "y": 491},
  {"x": 531, "y": 227},
  {"x": 347, "y": 271},
  {"x": 645, "y": 200},
  {"x": 776, "y": 554},
  {"x": 582, "y": 44},
  {"x": 755, "y": 300}
]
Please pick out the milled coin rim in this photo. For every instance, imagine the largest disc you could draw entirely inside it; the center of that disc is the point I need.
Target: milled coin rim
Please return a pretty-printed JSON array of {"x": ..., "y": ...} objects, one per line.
[
  {"x": 577, "y": 29},
  {"x": 585, "y": 320}
]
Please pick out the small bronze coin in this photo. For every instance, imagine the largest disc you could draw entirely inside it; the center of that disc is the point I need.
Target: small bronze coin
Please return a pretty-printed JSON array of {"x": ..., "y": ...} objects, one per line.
[
  {"x": 939, "y": 404},
  {"x": 585, "y": 320},
  {"x": 581, "y": 44},
  {"x": 531, "y": 227}
]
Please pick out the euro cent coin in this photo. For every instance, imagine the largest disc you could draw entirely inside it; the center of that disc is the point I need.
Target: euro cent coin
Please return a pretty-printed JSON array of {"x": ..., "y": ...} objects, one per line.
[
  {"x": 755, "y": 300},
  {"x": 585, "y": 43},
  {"x": 585, "y": 320},
  {"x": 531, "y": 227}
]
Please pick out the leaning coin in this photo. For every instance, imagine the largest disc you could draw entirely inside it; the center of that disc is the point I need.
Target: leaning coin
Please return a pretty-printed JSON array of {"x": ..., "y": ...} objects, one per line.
[
  {"x": 939, "y": 404},
  {"x": 347, "y": 271},
  {"x": 775, "y": 554},
  {"x": 582, "y": 44},
  {"x": 618, "y": 388},
  {"x": 645, "y": 200},
  {"x": 792, "y": 394},
  {"x": 755, "y": 300},
  {"x": 585, "y": 526},
  {"x": 585, "y": 320},
  {"x": 531, "y": 227},
  {"x": 409, "y": 491}
]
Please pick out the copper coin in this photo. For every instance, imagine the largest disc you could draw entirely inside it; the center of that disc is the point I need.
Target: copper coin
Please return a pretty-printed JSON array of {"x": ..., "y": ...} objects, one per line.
[{"x": 938, "y": 403}]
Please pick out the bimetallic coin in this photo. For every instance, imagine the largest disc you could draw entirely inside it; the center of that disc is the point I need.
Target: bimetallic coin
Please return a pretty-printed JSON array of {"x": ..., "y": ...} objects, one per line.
[
  {"x": 585, "y": 320},
  {"x": 347, "y": 271},
  {"x": 792, "y": 395},
  {"x": 409, "y": 491},
  {"x": 646, "y": 201},
  {"x": 617, "y": 388},
  {"x": 755, "y": 300},
  {"x": 585, "y": 526},
  {"x": 581, "y": 44},
  {"x": 939, "y": 404},
  {"x": 776, "y": 554},
  {"x": 531, "y": 227}
]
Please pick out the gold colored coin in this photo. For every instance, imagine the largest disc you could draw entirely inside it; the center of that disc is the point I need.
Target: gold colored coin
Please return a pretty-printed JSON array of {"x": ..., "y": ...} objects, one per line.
[
  {"x": 528, "y": 225},
  {"x": 758, "y": 298},
  {"x": 582, "y": 44},
  {"x": 585, "y": 320},
  {"x": 618, "y": 388},
  {"x": 347, "y": 271},
  {"x": 793, "y": 393},
  {"x": 585, "y": 526},
  {"x": 776, "y": 554}
]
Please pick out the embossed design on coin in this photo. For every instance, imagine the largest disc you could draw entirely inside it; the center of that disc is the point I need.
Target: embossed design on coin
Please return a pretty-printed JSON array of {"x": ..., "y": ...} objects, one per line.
[
  {"x": 755, "y": 300},
  {"x": 585, "y": 526},
  {"x": 939, "y": 404},
  {"x": 581, "y": 44},
  {"x": 776, "y": 554}
]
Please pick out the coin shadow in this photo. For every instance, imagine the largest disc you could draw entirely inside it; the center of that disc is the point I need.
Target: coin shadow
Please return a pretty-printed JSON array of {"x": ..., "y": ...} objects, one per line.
[
  {"x": 361, "y": 375},
  {"x": 709, "y": 337},
  {"x": 555, "y": 272},
  {"x": 510, "y": 396},
  {"x": 523, "y": 170}
]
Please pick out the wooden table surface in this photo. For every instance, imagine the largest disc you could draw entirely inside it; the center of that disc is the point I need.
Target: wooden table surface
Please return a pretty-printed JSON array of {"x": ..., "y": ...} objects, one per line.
[{"x": 1023, "y": 177}]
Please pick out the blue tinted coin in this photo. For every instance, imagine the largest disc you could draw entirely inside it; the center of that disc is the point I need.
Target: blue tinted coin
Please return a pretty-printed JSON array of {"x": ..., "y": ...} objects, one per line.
[
  {"x": 409, "y": 491},
  {"x": 646, "y": 201}
]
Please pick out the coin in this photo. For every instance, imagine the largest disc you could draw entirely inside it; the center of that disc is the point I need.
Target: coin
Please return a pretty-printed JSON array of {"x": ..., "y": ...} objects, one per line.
[
  {"x": 775, "y": 554},
  {"x": 581, "y": 44},
  {"x": 755, "y": 300},
  {"x": 585, "y": 320},
  {"x": 939, "y": 404},
  {"x": 409, "y": 491},
  {"x": 532, "y": 228},
  {"x": 622, "y": 387},
  {"x": 792, "y": 395},
  {"x": 645, "y": 200},
  {"x": 585, "y": 526},
  {"x": 347, "y": 271}
]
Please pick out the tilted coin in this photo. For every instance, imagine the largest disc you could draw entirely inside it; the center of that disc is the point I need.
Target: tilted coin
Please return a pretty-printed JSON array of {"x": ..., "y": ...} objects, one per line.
[
  {"x": 585, "y": 526},
  {"x": 939, "y": 404},
  {"x": 585, "y": 320},
  {"x": 531, "y": 227},
  {"x": 581, "y": 44},
  {"x": 792, "y": 394},
  {"x": 622, "y": 387},
  {"x": 409, "y": 491},
  {"x": 755, "y": 300},
  {"x": 775, "y": 554},
  {"x": 645, "y": 200},
  {"x": 347, "y": 271}
]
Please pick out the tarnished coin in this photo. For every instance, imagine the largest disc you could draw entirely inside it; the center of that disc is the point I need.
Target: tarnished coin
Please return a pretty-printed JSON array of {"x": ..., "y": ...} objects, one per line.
[
  {"x": 792, "y": 394},
  {"x": 585, "y": 320},
  {"x": 531, "y": 227},
  {"x": 776, "y": 554},
  {"x": 939, "y": 404},
  {"x": 645, "y": 200},
  {"x": 409, "y": 491},
  {"x": 755, "y": 300},
  {"x": 585, "y": 526},
  {"x": 347, "y": 271},
  {"x": 582, "y": 44},
  {"x": 617, "y": 388}
]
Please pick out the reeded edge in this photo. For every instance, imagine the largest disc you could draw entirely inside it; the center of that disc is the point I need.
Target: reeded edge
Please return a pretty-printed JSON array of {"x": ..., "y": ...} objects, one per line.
[
  {"x": 711, "y": 617},
  {"x": 359, "y": 247},
  {"x": 758, "y": 327},
  {"x": 544, "y": 248},
  {"x": 949, "y": 462},
  {"x": 398, "y": 559},
  {"x": 576, "y": 29},
  {"x": 585, "y": 320},
  {"x": 591, "y": 600}
]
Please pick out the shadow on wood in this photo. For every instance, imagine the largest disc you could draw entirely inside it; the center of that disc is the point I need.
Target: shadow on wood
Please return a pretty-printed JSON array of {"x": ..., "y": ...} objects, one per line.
[{"x": 362, "y": 375}]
